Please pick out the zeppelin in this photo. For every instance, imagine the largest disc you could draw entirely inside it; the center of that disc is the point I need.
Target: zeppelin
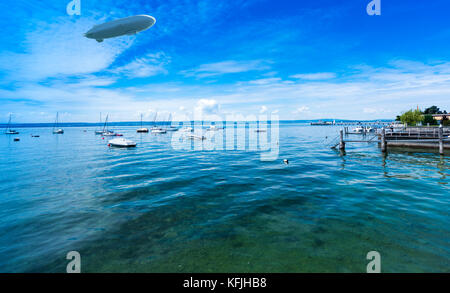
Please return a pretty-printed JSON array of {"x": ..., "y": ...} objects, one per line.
[{"x": 120, "y": 27}]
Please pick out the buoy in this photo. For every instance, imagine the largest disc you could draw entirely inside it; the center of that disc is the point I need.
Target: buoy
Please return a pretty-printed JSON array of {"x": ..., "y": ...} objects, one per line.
[
  {"x": 109, "y": 144},
  {"x": 286, "y": 161},
  {"x": 17, "y": 139}
]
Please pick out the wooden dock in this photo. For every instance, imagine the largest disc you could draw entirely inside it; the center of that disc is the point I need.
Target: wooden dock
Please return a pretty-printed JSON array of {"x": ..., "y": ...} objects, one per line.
[{"x": 434, "y": 138}]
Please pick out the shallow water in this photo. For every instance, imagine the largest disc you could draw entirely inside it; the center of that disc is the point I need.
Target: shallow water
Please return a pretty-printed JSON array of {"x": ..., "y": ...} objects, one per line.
[{"x": 156, "y": 209}]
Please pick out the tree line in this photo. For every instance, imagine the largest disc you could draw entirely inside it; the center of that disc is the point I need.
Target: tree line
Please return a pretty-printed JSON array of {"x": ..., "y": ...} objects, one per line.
[{"x": 415, "y": 117}]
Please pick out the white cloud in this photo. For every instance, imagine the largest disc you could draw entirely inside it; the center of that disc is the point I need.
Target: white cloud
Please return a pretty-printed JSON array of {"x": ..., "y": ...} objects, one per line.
[
  {"x": 149, "y": 65},
  {"x": 376, "y": 110},
  {"x": 263, "y": 110},
  {"x": 59, "y": 48},
  {"x": 264, "y": 81},
  {"x": 226, "y": 67},
  {"x": 207, "y": 106},
  {"x": 370, "y": 93},
  {"x": 302, "y": 109},
  {"x": 315, "y": 76}
]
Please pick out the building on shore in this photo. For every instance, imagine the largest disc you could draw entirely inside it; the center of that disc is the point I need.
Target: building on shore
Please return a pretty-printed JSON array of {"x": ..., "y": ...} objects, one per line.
[{"x": 441, "y": 117}]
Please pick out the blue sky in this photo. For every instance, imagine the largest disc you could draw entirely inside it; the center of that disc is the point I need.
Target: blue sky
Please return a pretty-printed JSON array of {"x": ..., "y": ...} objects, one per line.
[{"x": 299, "y": 59}]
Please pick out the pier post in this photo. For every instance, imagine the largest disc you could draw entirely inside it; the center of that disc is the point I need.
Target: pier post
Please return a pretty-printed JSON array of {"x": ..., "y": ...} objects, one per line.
[
  {"x": 383, "y": 140},
  {"x": 341, "y": 140},
  {"x": 441, "y": 140}
]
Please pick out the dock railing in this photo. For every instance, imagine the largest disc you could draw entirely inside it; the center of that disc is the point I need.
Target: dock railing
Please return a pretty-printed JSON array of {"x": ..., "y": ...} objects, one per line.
[{"x": 408, "y": 137}]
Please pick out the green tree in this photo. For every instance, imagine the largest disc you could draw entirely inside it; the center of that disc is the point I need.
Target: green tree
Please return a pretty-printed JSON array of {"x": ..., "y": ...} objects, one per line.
[
  {"x": 412, "y": 117},
  {"x": 428, "y": 119},
  {"x": 432, "y": 110}
]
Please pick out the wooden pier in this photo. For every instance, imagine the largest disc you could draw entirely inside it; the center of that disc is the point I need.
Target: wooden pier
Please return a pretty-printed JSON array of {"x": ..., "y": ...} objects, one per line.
[{"x": 434, "y": 138}]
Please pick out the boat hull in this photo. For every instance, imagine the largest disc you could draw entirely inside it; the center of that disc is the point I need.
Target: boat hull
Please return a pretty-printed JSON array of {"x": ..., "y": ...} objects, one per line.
[{"x": 121, "y": 143}]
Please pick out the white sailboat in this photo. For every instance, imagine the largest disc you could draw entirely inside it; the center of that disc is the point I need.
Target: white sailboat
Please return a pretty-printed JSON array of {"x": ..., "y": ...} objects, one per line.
[
  {"x": 171, "y": 128},
  {"x": 106, "y": 131},
  {"x": 8, "y": 128},
  {"x": 155, "y": 129},
  {"x": 56, "y": 129},
  {"x": 99, "y": 131},
  {"x": 142, "y": 129}
]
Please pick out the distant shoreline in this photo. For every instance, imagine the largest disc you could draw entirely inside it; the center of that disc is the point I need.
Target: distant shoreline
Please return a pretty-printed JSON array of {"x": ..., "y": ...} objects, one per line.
[{"x": 138, "y": 123}]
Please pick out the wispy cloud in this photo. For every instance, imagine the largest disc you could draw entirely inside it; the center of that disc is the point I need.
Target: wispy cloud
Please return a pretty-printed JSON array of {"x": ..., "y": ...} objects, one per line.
[
  {"x": 314, "y": 76},
  {"x": 301, "y": 109},
  {"x": 226, "y": 67},
  {"x": 57, "y": 49},
  {"x": 148, "y": 65}
]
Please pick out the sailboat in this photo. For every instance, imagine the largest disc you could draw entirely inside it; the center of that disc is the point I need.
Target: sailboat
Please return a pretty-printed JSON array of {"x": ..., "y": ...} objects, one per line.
[
  {"x": 171, "y": 128},
  {"x": 100, "y": 131},
  {"x": 157, "y": 129},
  {"x": 106, "y": 131},
  {"x": 57, "y": 130},
  {"x": 8, "y": 128},
  {"x": 142, "y": 129}
]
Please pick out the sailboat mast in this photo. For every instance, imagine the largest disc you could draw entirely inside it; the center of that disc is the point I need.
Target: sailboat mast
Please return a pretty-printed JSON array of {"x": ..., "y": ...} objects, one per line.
[
  {"x": 9, "y": 122},
  {"x": 106, "y": 121},
  {"x": 55, "y": 125}
]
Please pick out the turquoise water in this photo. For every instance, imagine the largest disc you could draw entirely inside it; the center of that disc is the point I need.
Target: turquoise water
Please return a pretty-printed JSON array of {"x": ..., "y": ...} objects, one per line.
[{"x": 155, "y": 209}]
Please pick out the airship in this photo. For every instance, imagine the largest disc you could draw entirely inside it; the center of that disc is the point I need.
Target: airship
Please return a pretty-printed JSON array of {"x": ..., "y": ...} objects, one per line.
[{"x": 120, "y": 27}]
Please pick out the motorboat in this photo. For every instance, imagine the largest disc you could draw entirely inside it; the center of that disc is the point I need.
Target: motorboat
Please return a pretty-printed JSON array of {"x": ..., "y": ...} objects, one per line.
[
  {"x": 213, "y": 128},
  {"x": 187, "y": 129},
  {"x": 193, "y": 136},
  {"x": 142, "y": 130},
  {"x": 158, "y": 130},
  {"x": 358, "y": 129},
  {"x": 121, "y": 142},
  {"x": 172, "y": 128},
  {"x": 58, "y": 131}
]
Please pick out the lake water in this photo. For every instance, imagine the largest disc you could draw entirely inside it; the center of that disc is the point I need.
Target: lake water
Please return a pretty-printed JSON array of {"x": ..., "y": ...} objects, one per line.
[{"x": 156, "y": 209}]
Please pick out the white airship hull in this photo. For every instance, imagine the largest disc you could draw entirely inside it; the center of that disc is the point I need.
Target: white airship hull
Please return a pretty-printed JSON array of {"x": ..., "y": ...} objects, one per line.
[{"x": 120, "y": 27}]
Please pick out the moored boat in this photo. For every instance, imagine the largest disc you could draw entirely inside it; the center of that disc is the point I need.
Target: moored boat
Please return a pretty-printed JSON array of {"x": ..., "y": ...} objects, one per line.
[
  {"x": 121, "y": 142},
  {"x": 56, "y": 129},
  {"x": 142, "y": 129},
  {"x": 8, "y": 128}
]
